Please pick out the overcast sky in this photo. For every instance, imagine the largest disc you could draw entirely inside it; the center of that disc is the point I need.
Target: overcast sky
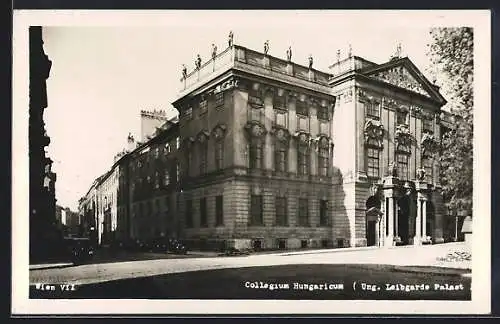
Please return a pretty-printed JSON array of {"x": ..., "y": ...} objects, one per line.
[{"x": 102, "y": 77}]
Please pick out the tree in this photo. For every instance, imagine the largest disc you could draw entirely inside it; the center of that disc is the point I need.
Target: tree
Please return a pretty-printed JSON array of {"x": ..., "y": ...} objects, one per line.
[{"x": 451, "y": 53}]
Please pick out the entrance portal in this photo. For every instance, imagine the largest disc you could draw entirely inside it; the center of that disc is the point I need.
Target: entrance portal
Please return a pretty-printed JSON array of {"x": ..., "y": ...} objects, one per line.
[
  {"x": 372, "y": 215},
  {"x": 404, "y": 220}
]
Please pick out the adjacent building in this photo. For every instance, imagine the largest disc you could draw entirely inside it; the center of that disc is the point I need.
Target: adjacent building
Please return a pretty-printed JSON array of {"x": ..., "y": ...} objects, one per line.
[
  {"x": 42, "y": 201},
  {"x": 268, "y": 153}
]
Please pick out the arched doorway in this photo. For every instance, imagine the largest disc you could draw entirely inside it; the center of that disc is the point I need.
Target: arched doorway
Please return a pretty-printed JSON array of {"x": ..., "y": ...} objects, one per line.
[
  {"x": 372, "y": 215},
  {"x": 403, "y": 226}
]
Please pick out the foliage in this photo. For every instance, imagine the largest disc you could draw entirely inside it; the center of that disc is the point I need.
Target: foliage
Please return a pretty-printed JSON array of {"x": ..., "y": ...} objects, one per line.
[{"x": 451, "y": 53}]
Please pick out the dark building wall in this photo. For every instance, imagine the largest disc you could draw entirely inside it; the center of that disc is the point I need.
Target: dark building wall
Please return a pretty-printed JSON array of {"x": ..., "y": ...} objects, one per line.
[{"x": 43, "y": 229}]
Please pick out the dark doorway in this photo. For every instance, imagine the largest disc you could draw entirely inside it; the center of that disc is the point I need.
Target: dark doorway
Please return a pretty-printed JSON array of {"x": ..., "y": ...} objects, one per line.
[
  {"x": 257, "y": 245},
  {"x": 281, "y": 244},
  {"x": 370, "y": 233},
  {"x": 303, "y": 244},
  {"x": 403, "y": 209},
  {"x": 372, "y": 214}
]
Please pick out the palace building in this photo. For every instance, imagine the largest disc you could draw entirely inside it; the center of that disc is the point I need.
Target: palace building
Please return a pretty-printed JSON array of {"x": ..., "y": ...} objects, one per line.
[
  {"x": 280, "y": 155},
  {"x": 270, "y": 154}
]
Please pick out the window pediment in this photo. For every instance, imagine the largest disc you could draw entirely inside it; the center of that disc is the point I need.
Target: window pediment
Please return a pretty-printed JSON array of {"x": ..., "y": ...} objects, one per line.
[{"x": 374, "y": 131}]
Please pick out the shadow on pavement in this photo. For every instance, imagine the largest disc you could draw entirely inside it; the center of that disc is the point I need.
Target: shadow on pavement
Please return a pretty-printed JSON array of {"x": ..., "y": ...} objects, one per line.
[{"x": 293, "y": 282}]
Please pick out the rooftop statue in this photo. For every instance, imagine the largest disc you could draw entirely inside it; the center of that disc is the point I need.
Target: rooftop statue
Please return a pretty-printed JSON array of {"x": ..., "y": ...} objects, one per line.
[
  {"x": 289, "y": 54},
  {"x": 310, "y": 61},
  {"x": 214, "y": 51},
  {"x": 230, "y": 39},
  {"x": 197, "y": 63},
  {"x": 266, "y": 47}
]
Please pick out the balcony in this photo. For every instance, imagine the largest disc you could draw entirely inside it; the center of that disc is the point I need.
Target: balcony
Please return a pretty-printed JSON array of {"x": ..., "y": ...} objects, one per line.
[{"x": 246, "y": 60}]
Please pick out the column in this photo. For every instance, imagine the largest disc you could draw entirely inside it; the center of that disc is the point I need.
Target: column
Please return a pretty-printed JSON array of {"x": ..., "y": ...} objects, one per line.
[
  {"x": 424, "y": 218},
  {"x": 377, "y": 232},
  {"x": 396, "y": 219},
  {"x": 390, "y": 225},
  {"x": 418, "y": 221}
]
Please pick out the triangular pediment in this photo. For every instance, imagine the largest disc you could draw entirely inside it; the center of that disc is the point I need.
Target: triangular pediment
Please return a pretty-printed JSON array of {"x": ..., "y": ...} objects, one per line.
[{"x": 403, "y": 74}]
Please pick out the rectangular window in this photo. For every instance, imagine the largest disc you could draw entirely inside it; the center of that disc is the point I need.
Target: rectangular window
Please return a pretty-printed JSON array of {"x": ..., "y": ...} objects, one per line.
[
  {"x": 279, "y": 102},
  {"x": 303, "y": 123},
  {"x": 256, "y": 210},
  {"x": 323, "y": 212},
  {"x": 428, "y": 125},
  {"x": 301, "y": 108},
  {"x": 281, "y": 212},
  {"x": 372, "y": 167},
  {"x": 188, "y": 114},
  {"x": 203, "y": 212},
  {"x": 402, "y": 118},
  {"x": 203, "y": 107},
  {"x": 166, "y": 178},
  {"x": 203, "y": 158},
  {"x": 189, "y": 213},
  {"x": 281, "y": 119},
  {"x": 402, "y": 166},
  {"x": 281, "y": 157},
  {"x": 219, "y": 211},
  {"x": 219, "y": 155},
  {"x": 427, "y": 163},
  {"x": 303, "y": 161},
  {"x": 255, "y": 154},
  {"x": 323, "y": 113},
  {"x": 323, "y": 161},
  {"x": 373, "y": 109},
  {"x": 303, "y": 212}
]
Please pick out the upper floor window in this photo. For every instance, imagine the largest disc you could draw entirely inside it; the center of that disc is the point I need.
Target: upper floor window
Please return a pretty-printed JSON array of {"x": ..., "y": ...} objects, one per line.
[
  {"x": 373, "y": 109},
  {"x": 281, "y": 211},
  {"x": 256, "y": 153},
  {"x": 323, "y": 113},
  {"x": 301, "y": 108},
  {"x": 281, "y": 156},
  {"x": 219, "y": 155},
  {"x": 282, "y": 118},
  {"x": 303, "y": 160},
  {"x": 427, "y": 125},
  {"x": 323, "y": 212},
  {"x": 303, "y": 212},
  {"x": 219, "y": 99},
  {"x": 402, "y": 165},
  {"x": 203, "y": 106},
  {"x": 323, "y": 161},
  {"x": 427, "y": 164},
  {"x": 203, "y": 157},
  {"x": 402, "y": 117},
  {"x": 279, "y": 102},
  {"x": 189, "y": 113},
  {"x": 373, "y": 159}
]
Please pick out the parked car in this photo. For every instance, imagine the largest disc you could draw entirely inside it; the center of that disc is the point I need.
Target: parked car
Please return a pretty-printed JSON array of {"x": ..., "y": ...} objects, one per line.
[
  {"x": 176, "y": 247},
  {"x": 79, "y": 249}
]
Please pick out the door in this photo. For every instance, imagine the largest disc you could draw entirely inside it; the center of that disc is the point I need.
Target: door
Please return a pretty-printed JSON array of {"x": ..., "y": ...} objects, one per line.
[{"x": 370, "y": 232}]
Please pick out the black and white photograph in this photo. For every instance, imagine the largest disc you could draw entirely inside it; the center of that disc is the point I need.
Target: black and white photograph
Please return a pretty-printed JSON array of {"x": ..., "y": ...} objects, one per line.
[{"x": 251, "y": 162}]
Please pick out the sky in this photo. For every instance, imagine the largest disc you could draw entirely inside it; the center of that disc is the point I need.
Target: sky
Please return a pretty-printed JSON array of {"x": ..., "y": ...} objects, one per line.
[{"x": 102, "y": 76}]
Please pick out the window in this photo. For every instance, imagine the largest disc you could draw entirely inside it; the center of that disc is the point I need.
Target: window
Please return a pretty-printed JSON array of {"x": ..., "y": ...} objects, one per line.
[
  {"x": 203, "y": 212},
  {"x": 189, "y": 213},
  {"x": 323, "y": 113},
  {"x": 281, "y": 157},
  {"x": 373, "y": 109},
  {"x": 281, "y": 119},
  {"x": 219, "y": 155},
  {"x": 427, "y": 125},
  {"x": 402, "y": 165},
  {"x": 219, "y": 99},
  {"x": 256, "y": 215},
  {"x": 256, "y": 153},
  {"x": 303, "y": 160},
  {"x": 303, "y": 212},
  {"x": 189, "y": 113},
  {"x": 203, "y": 106},
  {"x": 203, "y": 157},
  {"x": 281, "y": 212},
  {"x": 372, "y": 160},
  {"x": 323, "y": 161},
  {"x": 279, "y": 102},
  {"x": 427, "y": 163},
  {"x": 402, "y": 117},
  {"x": 301, "y": 108},
  {"x": 219, "y": 211},
  {"x": 323, "y": 212},
  {"x": 166, "y": 178}
]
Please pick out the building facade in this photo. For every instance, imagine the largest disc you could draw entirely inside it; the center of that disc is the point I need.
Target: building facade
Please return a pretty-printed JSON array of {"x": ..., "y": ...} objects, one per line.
[
  {"x": 279, "y": 155},
  {"x": 43, "y": 227}
]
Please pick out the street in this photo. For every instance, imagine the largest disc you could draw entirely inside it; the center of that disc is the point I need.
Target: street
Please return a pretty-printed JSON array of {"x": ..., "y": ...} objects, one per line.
[{"x": 226, "y": 277}]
